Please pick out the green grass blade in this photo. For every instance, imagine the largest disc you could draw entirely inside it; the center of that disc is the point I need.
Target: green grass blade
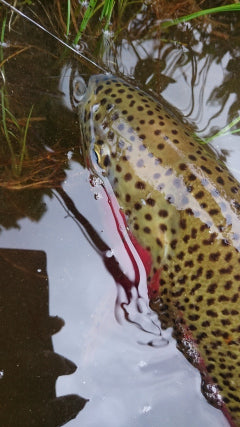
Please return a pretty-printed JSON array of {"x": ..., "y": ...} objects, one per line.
[
  {"x": 11, "y": 116},
  {"x": 226, "y": 130},
  {"x": 109, "y": 13},
  {"x": 68, "y": 17},
  {"x": 107, "y": 9},
  {"x": 3, "y": 29},
  {"x": 1, "y": 47},
  {"x": 235, "y": 131},
  {"x": 13, "y": 135},
  {"x": 227, "y": 8},
  {"x": 223, "y": 132},
  {"x": 91, "y": 9},
  {"x": 5, "y": 129},
  {"x": 23, "y": 150}
]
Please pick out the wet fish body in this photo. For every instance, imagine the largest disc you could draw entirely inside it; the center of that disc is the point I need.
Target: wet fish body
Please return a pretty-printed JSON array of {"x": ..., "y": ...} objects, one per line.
[{"x": 182, "y": 206}]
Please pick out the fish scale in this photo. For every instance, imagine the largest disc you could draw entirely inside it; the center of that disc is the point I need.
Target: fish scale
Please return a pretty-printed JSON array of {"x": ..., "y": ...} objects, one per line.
[{"x": 183, "y": 206}]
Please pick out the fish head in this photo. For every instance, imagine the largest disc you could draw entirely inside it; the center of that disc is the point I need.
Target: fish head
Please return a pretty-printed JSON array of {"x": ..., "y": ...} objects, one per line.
[{"x": 106, "y": 135}]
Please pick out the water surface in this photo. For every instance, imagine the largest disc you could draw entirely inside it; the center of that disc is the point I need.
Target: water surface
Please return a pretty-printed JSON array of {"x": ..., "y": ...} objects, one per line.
[{"x": 129, "y": 369}]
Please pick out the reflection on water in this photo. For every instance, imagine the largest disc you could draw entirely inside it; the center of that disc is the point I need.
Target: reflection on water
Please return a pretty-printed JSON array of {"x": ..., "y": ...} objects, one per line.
[
  {"x": 29, "y": 366},
  {"x": 130, "y": 304}
]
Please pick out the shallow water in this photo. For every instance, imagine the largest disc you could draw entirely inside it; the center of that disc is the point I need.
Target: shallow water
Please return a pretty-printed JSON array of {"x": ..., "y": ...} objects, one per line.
[{"x": 127, "y": 381}]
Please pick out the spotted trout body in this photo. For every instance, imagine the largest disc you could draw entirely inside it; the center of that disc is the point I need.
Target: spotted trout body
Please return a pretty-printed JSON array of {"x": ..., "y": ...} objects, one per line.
[{"x": 183, "y": 207}]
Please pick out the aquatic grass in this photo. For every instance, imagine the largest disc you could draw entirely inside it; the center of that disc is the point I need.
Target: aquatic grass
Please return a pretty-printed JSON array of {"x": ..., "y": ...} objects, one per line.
[
  {"x": 5, "y": 127},
  {"x": 89, "y": 12},
  {"x": 68, "y": 17},
  {"x": 227, "y": 8},
  {"x": 23, "y": 142},
  {"x": 107, "y": 12},
  {"x": 3, "y": 91},
  {"x": 1, "y": 47},
  {"x": 107, "y": 7},
  {"x": 39, "y": 172},
  {"x": 19, "y": 135},
  {"x": 223, "y": 132},
  {"x": 3, "y": 33}
]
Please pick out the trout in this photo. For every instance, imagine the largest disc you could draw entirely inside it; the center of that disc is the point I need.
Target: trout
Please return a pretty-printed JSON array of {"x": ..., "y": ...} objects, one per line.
[{"x": 182, "y": 206}]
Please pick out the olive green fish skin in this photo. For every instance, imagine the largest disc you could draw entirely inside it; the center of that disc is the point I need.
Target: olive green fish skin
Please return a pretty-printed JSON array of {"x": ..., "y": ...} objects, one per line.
[{"x": 184, "y": 207}]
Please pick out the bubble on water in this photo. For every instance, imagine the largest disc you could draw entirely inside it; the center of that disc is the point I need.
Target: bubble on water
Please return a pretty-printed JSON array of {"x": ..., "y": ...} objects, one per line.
[
  {"x": 39, "y": 270},
  {"x": 80, "y": 47},
  {"x": 4, "y": 44},
  {"x": 108, "y": 34},
  {"x": 109, "y": 253},
  {"x": 1, "y": 374},
  {"x": 146, "y": 409},
  {"x": 95, "y": 180},
  {"x": 142, "y": 364}
]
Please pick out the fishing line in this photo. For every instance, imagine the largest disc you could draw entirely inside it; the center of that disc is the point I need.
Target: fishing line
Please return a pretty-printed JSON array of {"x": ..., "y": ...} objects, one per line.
[{"x": 53, "y": 35}]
